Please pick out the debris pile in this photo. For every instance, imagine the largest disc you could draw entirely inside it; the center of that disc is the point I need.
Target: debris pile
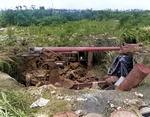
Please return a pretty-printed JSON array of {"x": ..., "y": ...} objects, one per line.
[{"x": 76, "y": 73}]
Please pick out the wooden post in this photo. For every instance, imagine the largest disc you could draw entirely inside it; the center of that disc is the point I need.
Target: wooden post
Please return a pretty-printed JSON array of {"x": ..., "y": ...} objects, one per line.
[{"x": 90, "y": 60}]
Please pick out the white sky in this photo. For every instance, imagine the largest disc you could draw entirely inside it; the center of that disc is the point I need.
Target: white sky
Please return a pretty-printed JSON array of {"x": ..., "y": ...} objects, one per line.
[{"x": 79, "y": 4}]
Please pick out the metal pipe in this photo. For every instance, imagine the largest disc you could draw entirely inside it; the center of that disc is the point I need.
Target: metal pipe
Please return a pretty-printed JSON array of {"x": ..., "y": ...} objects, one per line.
[{"x": 71, "y": 49}]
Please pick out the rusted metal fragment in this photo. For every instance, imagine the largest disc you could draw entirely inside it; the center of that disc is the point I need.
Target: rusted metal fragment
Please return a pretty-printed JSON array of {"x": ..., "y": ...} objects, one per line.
[
  {"x": 50, "y": 62},
  {"x": 111, "y": 87},
  {"x": 71, "y": 114},
  {"x": 134, "y": 78},
  {"x": 74, "y": 65},
  {"x": 83, "y": 85},
  {"x": 36, "y": 82},
  {"x": 39, "y": 84},
  {"x": 31, "y": 63},
  {"x": 130, "y": 47},
  {"x": 93, "y": 115},
  {"x": 66, "y": 114},
  {"x": 90, "y": 78},
  {"x": 39, "y": 73},
  {"x": 122, "y": 113},
  {"x": 111, "y": 80},
  {"x": 81, "y": 71},
  {"x": 106, "y": 77},
  {"x": 82, "y": 79},
  {"x": 66, "y": 69},
  {"x": 28, "y": 79},
  {"x": 62, "y": 114},
  {"x": 68, "y": 83},
  {"x": 68, "y": 75},
  {"x": 54, "y": 76},
  {"x": 50, "y": 54},
  {"x": 76, "y": 76}
]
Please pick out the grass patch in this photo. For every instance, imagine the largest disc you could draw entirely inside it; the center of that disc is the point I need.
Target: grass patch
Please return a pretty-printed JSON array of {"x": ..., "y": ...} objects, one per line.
[
  {"x": 73, "y": 33},
  {"x": 55, "y": 105},
  {"x": 15, "y": 104},
  {"x": 10, "y": 63}
]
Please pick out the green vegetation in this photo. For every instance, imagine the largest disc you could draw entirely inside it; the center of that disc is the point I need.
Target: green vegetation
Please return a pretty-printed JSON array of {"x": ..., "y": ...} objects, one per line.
[
  {"x": 68, "y": 27},
  {"x": 17, "y": 104},
  {"x": 45, "y": 27},
  {"x": 69, "y": 34},
  {"x": 13, "y": 104},
  {"x": 23, "y": 16},
  {"x": 9, "y": 63}
]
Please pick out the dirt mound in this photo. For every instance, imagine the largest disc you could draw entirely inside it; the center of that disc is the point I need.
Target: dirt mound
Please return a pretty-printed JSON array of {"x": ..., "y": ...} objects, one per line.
[
  {"x": 91, "y": 101},
  {"x": 142, "y": 56}
]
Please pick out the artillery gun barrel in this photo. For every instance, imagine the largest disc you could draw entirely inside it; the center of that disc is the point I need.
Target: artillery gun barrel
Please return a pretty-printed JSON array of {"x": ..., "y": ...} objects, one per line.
[{"x": 71, "y": 49}]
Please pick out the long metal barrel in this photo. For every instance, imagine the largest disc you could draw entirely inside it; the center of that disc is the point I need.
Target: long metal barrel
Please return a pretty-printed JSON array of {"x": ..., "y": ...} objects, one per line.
[{"x": 70, "y": 49}]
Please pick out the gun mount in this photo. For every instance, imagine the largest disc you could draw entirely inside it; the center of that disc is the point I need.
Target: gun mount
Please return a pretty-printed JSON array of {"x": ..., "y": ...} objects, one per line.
[{"x": 44, "y": 67}]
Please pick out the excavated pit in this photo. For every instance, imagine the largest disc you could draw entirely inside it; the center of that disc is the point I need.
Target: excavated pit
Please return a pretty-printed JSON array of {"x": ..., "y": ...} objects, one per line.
[{"x": 100, "y": 101}]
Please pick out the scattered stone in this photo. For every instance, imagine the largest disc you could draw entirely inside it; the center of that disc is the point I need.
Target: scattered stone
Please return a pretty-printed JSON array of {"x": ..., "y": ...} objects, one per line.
[
  {"x": 81, "y": 112},
  {"x": 139, "y": 95},
  {"x": 81, "y": 99},
  {"x": 67, "y": 98},
  {"x": 53, "y": 92},
  {"x": 131, "y": 102},
  {"x": 112, "y": 105},
  {"x": 118, "y": 108},
  {"x": 60, "y": 97}
]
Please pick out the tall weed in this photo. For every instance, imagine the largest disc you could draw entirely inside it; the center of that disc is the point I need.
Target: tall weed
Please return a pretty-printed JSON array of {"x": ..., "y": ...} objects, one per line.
[
  {"x": 9, "y": 32},
  {"x": 7, "y": 110}
]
